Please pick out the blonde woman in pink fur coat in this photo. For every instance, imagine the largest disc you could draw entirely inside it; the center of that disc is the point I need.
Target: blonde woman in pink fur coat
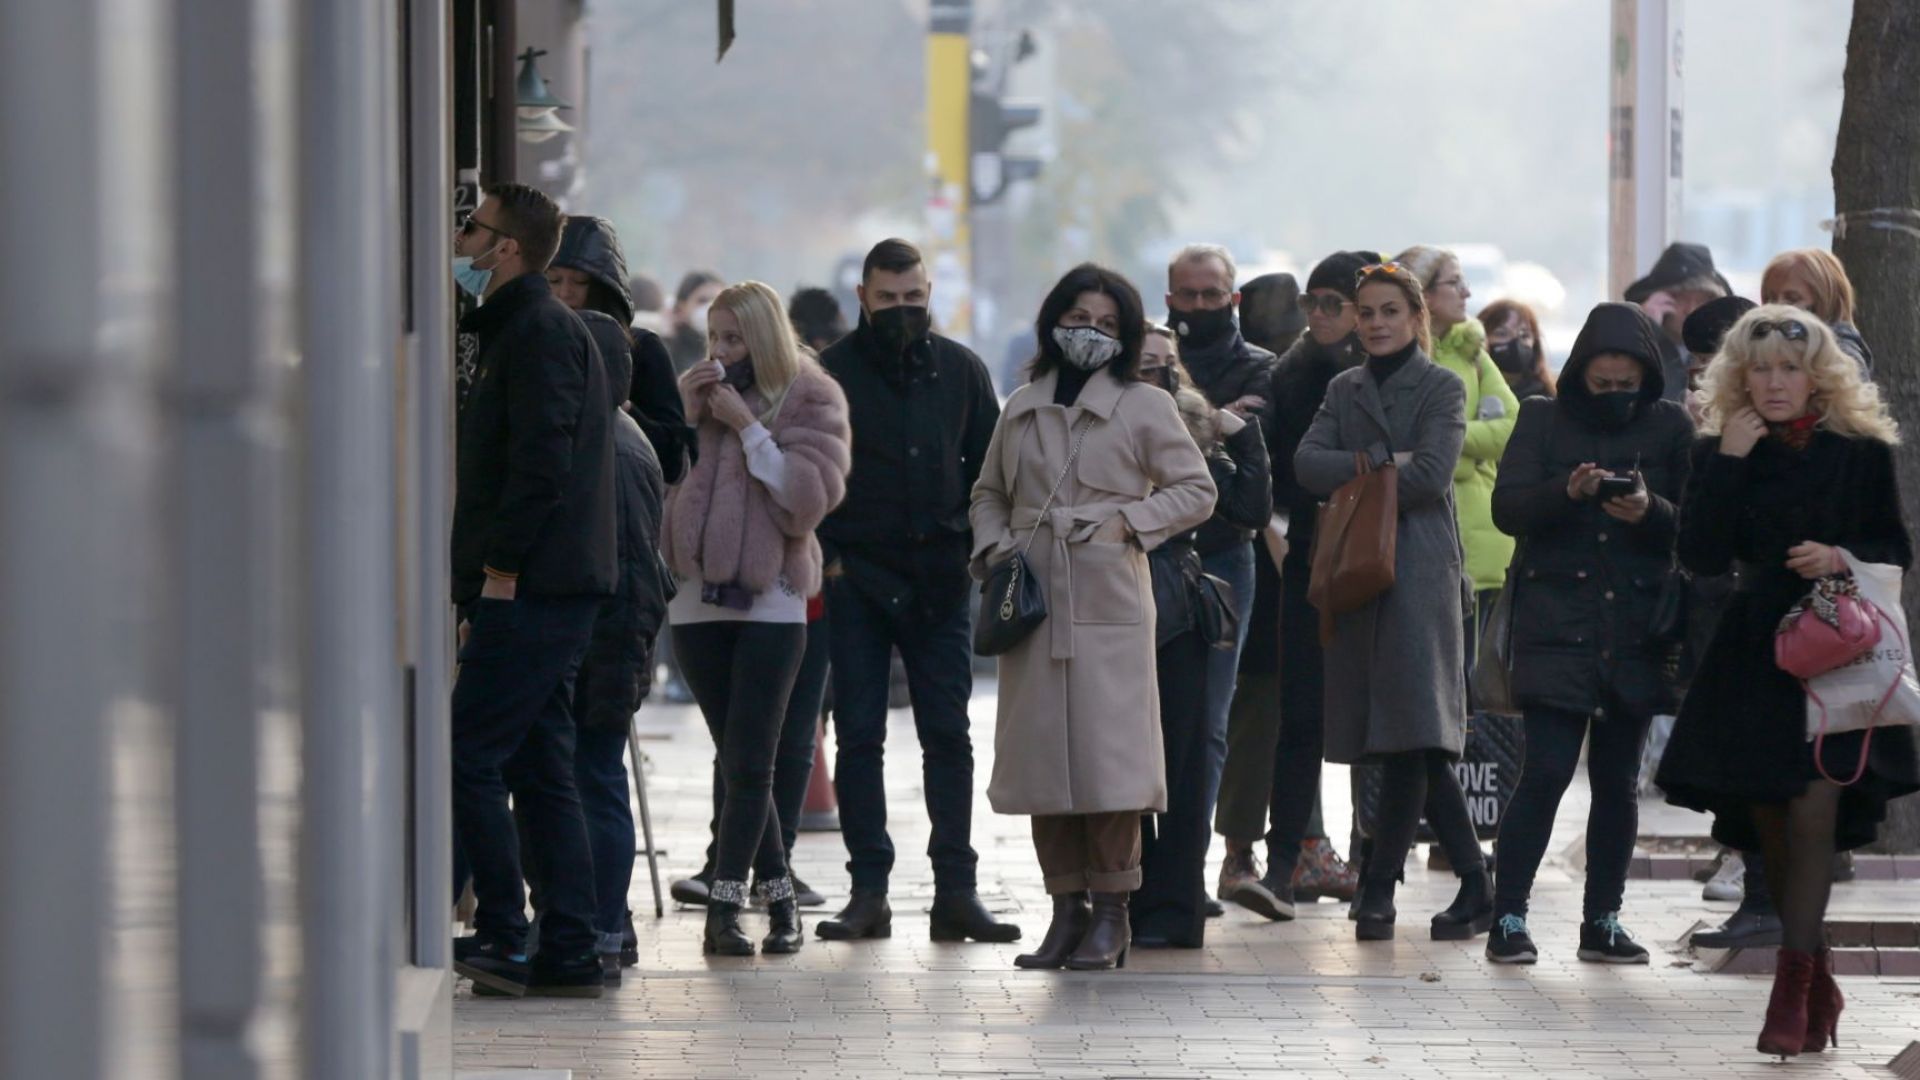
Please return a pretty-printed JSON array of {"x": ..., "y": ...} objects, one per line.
[{"x": 773, "y": 459}]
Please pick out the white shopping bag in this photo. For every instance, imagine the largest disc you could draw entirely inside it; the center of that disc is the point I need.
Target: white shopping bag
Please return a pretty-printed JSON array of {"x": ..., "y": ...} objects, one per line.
[{"x": 1878, "y": 689}]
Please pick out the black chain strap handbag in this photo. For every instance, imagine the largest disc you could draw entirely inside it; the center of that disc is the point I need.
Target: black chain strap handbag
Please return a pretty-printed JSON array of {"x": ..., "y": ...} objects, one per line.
[{"x": 1011, "y": 601}]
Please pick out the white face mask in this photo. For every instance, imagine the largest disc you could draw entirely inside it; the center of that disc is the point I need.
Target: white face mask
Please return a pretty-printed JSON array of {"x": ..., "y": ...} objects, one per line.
[
  {"x": 697, "y": 319},
  {"x": 1085, "y": 347}
]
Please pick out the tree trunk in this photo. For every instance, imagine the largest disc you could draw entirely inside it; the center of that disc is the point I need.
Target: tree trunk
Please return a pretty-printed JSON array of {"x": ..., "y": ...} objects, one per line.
[{"x": 1876, "y": 167}]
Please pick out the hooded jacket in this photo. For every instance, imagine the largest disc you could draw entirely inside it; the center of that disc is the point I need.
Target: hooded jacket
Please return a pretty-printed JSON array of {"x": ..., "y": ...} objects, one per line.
[
  {"x": 1585, "y": 584},
  {"x": 1492, "y": 410},
  {"x": 589, "y": 245}
]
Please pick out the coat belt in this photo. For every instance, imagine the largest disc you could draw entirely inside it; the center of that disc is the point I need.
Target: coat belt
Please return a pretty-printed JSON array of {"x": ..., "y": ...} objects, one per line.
[{"x": 1060, "y": 522}]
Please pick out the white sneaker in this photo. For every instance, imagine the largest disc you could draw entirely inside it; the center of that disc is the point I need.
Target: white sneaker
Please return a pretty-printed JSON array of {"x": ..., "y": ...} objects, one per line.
[{"x": 1729, "y": 884}]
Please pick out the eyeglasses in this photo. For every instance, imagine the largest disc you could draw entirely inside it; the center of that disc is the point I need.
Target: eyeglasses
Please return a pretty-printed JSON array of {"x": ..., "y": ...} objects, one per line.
[
  {"x": 1392, "y": 269},
  {"x": 1326, "y": 303},
  {"x": 1791, "y": 329},
  {"x": 1210, "y": 297},
  {"x": 470, "y": 223}
]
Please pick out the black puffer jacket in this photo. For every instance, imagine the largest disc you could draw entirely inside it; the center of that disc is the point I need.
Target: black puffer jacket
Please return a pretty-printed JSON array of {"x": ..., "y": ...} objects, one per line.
[
  {"x": 533, "y": 460},
  {"x": 590, "y": 246},
  {"x": 1229, "y": 370},
  {"x": 1240, "y": 474},
  {"x": 617, "y": 670},
  {"x": 1587, "y": 585}
]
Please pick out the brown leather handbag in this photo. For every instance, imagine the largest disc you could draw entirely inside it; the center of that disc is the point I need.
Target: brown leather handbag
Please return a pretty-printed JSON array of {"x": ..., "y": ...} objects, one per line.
[{"x": 1353, "y": 543}]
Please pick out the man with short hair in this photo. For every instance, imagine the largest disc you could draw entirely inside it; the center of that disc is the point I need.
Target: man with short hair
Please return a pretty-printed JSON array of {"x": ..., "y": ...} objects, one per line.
[
  {"x": 923, "y": 410},
  {"x": 1682, "y": 279},
  {"x": 1202, "y": 302},
  {"x": 533, "y": 551}
]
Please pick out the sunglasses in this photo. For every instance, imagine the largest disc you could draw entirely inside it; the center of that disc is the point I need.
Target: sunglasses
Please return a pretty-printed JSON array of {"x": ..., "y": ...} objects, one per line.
[
  {"x": 1327, "y": 304},
  {"x": 470, "y": 223},
  {"x": 1392, "y": 269},
  {"x": 1791, "y": 329}
]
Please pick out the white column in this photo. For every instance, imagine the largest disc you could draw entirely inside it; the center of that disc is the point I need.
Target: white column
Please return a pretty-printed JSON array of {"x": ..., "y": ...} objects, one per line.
[
  {"x": 1644, "y": 145},
  {"x": 347, "y": 606}
]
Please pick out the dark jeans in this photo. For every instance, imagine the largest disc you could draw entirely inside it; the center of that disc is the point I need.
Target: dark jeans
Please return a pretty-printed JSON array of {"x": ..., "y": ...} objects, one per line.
[
  {"x": 1297, "y": 754},
  {"x": 1417, "y": 780},
  {"x": 513, "y": 730},
  {"x": 1171, "y": 900},
  {"x": 742, "y": 674},
  {"x": 1233, "y": 565},
  {"x": 793, "y": 761},
  {"x": 1613, "y": 766},
  {"x": 600, "y": 770},
  {"x": 937, "y": 652}
]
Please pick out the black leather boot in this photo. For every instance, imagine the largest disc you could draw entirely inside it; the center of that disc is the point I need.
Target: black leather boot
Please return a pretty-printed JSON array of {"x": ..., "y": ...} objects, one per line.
[
  {"x": 1070, "y": 919},
  {"x": 867, "y": 915},
  {"x": 724, "y": 936},
  {"x": 1362, "y": 856},
  {"x": 957, "y": 916},
  {"x": 1373, "y": 920},
  {"x": 1104, "y": 945},
  {"x": 1471, "y": 913},
  {"x": 784, "y": 933}
]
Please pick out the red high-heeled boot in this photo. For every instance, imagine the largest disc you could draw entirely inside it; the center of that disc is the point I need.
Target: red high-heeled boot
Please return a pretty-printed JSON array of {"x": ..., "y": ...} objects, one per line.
[
  {"x": 1824, "y": 1003},
  {"x": 1786, "y": 1030}
]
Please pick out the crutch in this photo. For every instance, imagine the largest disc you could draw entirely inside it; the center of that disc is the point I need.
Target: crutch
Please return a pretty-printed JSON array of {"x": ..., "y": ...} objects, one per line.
[{"x": 646, "y": 816}]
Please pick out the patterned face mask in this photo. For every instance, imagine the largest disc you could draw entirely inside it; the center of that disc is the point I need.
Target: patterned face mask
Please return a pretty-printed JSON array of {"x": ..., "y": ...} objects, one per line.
[{"x": 1085, "y": 347}]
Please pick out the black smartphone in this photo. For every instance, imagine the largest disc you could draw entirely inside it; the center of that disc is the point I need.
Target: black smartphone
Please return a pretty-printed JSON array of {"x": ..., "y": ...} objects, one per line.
[{"x": 1616, "y": 487}]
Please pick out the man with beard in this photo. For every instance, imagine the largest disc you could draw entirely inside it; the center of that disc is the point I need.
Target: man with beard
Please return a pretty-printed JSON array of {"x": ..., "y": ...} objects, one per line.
[{"x": 922, "y": 409}]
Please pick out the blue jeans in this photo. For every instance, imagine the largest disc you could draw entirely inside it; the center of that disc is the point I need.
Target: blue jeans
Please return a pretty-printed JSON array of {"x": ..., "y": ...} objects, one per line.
[
  {"x": 600, "y": 771},
  {"x": 1234, "y": 566},
  {"x": 936, "y": 650},
  {"x": 513, "y": 730}
]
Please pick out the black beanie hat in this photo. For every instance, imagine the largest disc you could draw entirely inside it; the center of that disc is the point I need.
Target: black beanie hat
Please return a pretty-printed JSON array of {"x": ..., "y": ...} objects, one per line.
[
  {"x": 1340, "y": 270},
  {"x": 1709, "y": 323}
]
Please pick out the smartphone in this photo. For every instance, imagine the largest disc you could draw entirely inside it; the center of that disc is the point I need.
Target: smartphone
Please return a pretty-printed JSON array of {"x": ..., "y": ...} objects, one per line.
[{"x": 1616, "y": 487}]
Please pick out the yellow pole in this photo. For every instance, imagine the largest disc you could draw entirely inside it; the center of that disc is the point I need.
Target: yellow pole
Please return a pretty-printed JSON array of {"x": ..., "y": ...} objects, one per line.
[{"x": 949, "y": 78}]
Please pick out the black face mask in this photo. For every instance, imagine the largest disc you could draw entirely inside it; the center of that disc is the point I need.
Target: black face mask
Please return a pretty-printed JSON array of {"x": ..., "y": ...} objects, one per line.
[
  {"x": 1164, "y": 378},
  {"x": 1202, "y": 328},
  {"x": 1616, "y": 408},
  {"x": 1514, "y": 357},
  {"x": 897, "y": 328},
  {"x": 739, "y": 375}
]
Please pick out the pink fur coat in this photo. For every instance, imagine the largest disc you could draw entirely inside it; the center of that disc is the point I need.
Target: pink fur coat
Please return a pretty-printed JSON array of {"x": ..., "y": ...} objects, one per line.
[{"x": 722, "y": 525}]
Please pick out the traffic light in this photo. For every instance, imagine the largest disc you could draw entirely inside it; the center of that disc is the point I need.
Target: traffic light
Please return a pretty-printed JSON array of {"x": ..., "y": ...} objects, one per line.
[{"x": 990, "y": 120}]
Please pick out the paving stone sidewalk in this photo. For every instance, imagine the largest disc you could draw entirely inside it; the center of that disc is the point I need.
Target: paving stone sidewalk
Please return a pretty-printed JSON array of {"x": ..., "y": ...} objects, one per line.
[{"x": 1300, "y": 999}]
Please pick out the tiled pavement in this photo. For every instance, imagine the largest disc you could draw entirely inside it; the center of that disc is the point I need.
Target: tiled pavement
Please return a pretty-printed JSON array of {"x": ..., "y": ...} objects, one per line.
[{"x": 1262, "y": 1000}]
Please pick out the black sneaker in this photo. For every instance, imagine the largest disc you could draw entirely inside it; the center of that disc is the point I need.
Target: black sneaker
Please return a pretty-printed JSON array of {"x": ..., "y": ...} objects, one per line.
[
  {"x": 1605, "y": 941},
  {"x": 1509, "y": 942},
  {"x": 692, "y": 891},
  {"x": 498, "y": 975},
  {"x": 582, "y": 977},
  {"x": 806, "y": 895},
  {"x": 629, "y": 943},
  {"x": 1744, "y": 929},
  {"x": 609, "y": 968}
]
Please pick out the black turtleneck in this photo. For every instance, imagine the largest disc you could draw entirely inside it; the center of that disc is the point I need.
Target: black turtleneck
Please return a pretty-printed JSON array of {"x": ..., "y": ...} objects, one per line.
[
  {"x": 1066, "y": 391},
  {"x": 1385, "y": 367}
]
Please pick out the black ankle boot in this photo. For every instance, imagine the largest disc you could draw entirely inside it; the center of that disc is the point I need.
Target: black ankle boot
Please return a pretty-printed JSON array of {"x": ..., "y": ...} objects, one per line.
[
  {"x": 784, "y": 932},
  {"x": 723, "y": 935},
  {"x": 959, "y": 915},
  {"x": 1471, "y": 913},
  {"x": 1105, "y": 943},
  {"x": 1373, "y": 920},
  {"x": 1362, "y": 856},
  {"x": 1070, "y": 919}
]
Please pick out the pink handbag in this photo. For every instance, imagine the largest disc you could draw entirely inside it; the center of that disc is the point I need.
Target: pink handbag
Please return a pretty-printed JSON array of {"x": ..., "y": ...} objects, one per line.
[{"x": 1831, "y": 627}]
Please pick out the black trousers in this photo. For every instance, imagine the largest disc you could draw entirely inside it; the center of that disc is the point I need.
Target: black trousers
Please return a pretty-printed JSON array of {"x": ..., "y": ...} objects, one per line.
[
  {"x": 513, "y": 731},
  {"x": 742, "y": 674},
  {"x": 1414, "y": 781},
  {"x": 936, "y": 649},
  {"x": 1613, "y": 766},
  {"x": 1171, "y": 900},
  {"x": 793, "y": 760},
  {"x": 1297, "y": 754}
]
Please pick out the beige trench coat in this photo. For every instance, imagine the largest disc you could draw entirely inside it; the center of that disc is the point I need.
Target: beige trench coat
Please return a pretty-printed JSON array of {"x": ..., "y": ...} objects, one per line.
[{"x": 1079, "y": 717}]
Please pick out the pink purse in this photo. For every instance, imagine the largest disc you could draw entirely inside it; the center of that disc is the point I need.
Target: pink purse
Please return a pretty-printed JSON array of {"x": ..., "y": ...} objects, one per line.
[{"x": 1831, "y": 627}]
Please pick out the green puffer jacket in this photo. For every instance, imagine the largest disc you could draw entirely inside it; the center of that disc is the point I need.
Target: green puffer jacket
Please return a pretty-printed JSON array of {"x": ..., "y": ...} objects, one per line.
[{"x": 1463, "y": 351}]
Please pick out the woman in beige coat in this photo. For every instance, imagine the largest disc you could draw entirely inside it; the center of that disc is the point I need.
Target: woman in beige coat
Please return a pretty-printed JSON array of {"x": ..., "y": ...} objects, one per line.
[{"x": 1077, "y": 743}]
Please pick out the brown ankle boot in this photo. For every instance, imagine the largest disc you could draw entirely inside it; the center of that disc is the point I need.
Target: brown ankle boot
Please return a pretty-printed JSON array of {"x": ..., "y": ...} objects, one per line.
[
  {"x": 1824, "y": 1003},
  {"x": 1070, "y": 919},
  {"x": 1106, "y": 940},
  {"x": 1786, "y": 1030}
]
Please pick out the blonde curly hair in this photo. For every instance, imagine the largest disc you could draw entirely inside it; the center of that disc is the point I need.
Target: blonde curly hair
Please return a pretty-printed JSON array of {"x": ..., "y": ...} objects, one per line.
[{"x": 1847, "y": 404}]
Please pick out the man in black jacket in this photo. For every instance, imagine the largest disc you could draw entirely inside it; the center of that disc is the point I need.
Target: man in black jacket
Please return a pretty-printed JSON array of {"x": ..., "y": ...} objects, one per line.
[
  {"x": 923, "y": 410},
  {"x": 533, "y": 555}
]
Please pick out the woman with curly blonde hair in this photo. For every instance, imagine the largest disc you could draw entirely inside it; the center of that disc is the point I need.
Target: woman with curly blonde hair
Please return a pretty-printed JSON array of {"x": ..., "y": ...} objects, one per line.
[{"x": 1797, "y": 464}]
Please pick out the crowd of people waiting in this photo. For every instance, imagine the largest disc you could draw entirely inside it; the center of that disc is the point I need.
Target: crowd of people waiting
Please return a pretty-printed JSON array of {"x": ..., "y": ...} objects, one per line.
[{"x": 797, "y": 501}]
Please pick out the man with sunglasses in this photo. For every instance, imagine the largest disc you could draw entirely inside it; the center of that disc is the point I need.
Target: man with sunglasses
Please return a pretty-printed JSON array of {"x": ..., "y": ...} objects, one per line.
[{"x": 533, "y": 557}]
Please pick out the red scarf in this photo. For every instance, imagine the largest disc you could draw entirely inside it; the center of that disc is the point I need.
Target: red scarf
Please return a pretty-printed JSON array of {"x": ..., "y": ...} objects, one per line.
[{"x": 1795, "y": 433}]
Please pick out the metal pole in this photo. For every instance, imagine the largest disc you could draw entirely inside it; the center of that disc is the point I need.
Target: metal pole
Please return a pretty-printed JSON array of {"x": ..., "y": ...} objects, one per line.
[
  {"x": 212, "y": 634},
  {"x": 347, "y": 590},
  {"x": 64, "y": 642},
  {"x": 1644, "y": 145},
  {"x": 430, "y": 418}
]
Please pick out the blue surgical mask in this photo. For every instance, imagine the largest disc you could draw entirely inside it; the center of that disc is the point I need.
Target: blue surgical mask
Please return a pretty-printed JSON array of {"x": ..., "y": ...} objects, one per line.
[{"x": 470, "y": 277}]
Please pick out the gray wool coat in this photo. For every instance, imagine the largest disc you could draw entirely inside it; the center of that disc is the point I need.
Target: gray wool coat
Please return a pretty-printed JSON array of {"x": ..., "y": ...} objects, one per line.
[{"x": 1395, "y": 668}]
